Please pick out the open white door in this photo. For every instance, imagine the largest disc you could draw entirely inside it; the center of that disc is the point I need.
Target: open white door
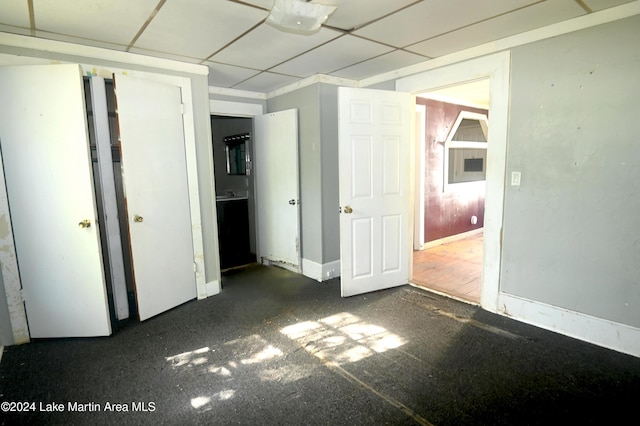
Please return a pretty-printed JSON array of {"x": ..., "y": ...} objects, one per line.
[
  {"x": 157, "y": 193},
  {"x": 277, "y": 188},
  {"x": 47, "y": 166},
  {"x": 374, "y": 148}
]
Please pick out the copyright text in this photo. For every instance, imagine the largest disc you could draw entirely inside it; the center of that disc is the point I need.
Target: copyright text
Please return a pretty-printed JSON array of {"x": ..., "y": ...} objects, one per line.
[{"x": 61, "y": 407}]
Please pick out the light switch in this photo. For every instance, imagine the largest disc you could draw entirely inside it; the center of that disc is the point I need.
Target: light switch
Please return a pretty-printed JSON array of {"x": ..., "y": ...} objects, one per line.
[{"x": 515, "y": 178}]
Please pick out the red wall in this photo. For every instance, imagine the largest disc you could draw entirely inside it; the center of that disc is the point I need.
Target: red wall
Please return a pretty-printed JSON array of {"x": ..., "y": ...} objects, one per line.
[{"x": 447, "y": 212}]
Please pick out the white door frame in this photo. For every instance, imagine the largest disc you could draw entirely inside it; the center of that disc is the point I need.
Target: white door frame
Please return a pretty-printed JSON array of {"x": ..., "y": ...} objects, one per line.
[
  {"x": 496, "y": 67},
  {"x": 420, "y": 166}
]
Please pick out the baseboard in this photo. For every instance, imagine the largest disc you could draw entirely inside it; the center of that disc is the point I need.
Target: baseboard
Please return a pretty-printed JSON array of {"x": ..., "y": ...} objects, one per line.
[
  {"x": 320, "y": 272},
  {"x": 452, "y": 238},
  {"x": 213, "y": 288},
  {"x": 609, "y": 334}
]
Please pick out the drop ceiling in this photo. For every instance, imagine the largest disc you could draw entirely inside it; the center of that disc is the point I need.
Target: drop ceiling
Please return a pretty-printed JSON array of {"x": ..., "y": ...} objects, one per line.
[{"x": 363, "y": 38}]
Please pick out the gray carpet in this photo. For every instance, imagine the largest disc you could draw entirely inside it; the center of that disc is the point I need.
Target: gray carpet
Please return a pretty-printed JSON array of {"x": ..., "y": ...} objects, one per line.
[{"x": 275, "y": 348}]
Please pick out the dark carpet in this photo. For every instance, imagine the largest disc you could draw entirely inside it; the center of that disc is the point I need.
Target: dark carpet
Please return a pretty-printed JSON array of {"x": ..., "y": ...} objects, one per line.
[{"x": 275, "y": 348}]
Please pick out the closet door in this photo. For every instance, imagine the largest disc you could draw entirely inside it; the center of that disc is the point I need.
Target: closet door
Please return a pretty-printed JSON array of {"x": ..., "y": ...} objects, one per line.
[
  {"x": 157, "y": 194},
  {"x": 278, "y": 188},
  {"x": 47, "y": 166}
]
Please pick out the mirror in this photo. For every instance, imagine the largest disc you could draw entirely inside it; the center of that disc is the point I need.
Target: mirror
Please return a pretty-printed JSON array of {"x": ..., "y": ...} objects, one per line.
[{"x": 237, "y": 154}]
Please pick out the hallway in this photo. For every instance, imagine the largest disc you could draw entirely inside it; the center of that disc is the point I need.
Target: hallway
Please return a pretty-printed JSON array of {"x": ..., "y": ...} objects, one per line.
[{"x": 454, "y": 268}]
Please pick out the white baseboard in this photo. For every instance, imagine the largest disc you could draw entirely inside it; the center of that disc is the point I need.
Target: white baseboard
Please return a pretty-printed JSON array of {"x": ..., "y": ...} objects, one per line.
[
  {"x": 320, "y": 272},
  {"x": 452, "y": 238},
  {"x": 213, "y": 287},
  {"x": 609, "y": 334}
]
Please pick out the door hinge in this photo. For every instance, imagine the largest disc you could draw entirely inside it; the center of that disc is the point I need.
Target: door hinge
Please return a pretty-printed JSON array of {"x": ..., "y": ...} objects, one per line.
[
  {"x": 195, "y": 267},
  {"x": 182, "y": 109},
  {"x": 22, "y": 294}
]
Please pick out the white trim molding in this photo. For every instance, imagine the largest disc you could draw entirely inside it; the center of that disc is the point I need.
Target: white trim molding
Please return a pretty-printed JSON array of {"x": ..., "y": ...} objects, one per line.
[
  {"x": 236, "y": 93},
  {"x": 496, "y": 68},
  {"x": 9, "y": 270},
  {"x": 601, "y": 332},
  {"x": 234, "y": 109},
  {"x": 212, "y": 288},
  {"x": 320, "y": 272}
]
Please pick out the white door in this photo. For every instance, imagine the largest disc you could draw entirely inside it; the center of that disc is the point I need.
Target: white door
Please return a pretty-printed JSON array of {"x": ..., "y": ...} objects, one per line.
[
  {"x": 156, "y": 190},
  {"x": 277, "y": 188},
  {"x": 47, "y": 166},
  {"x": 374, "y": 148}
]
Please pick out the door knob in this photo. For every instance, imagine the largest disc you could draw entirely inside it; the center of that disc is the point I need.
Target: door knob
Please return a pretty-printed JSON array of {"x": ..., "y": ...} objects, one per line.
[
  {"x": 85, "y": 223},
  {"x": 348, "y": 209},
  {"x": 292, "y": 202},
  {"x": 138, "y": 219}
]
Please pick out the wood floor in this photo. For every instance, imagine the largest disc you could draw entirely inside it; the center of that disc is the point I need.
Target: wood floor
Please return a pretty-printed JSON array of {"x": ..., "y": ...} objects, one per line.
[{"x": 453, "y": 268}]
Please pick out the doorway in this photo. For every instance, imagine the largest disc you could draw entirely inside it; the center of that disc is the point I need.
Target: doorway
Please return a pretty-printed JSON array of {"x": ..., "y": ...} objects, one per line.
[
  {"x": 451, "y": 184},
  {"x": 232, "y": 141}
]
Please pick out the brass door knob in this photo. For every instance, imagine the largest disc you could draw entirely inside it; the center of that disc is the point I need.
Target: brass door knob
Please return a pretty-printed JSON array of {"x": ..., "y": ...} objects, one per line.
[
  {"x": 85, "y": 224},
  {"x": 348, "y": 209},
  {"x": 138, "y": 219}
]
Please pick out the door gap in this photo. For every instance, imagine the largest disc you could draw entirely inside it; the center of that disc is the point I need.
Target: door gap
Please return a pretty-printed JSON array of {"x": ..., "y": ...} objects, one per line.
[{"x": 120, "y": 200}]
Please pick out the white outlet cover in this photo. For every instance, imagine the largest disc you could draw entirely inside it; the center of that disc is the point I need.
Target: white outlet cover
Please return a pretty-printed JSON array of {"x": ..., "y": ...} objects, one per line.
[{"x": 515, "y": 178}]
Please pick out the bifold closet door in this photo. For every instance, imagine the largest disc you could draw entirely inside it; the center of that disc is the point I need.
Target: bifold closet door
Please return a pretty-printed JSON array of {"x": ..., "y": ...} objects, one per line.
[
  {"x": 47, "y": 166},
  {"x": 156, "y": 190}
]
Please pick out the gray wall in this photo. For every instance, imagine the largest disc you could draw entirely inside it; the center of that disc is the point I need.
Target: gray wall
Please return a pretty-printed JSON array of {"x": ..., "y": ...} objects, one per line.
[
  {"x": 306, "y": 100},
  {"x": 318, "y": 150},
  {"x": 570, "y": 230},
  {"x": 329, "y": 170},
  {"x": 6, "y": 334}
]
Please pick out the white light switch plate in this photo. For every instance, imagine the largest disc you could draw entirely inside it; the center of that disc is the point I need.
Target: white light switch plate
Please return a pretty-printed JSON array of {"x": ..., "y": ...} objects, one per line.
[{"x": 515, "y": 178}]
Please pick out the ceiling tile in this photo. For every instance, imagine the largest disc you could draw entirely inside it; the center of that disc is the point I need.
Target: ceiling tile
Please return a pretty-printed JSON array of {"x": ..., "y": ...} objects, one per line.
[
  {"x": 114, "y": 21},
  {"x": 264, "y": 4},
  {"x": 222, "y": 75},
  {"x": 266, "y": 46},
  {"x": 266, "y": 82},
  {"x": 529, "y": 18},
  {"x": 596, "y": 5},
  {"x": 198, "y": 28},
  {"x": 430, "y": 18},
  {"x": 337, "y": 54},
  {"x": 15, "y": 13},
  {"x": 165, "y": 55},
  {"x": 351, "y": 14},
  {"x": 379, "y": 65}
]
